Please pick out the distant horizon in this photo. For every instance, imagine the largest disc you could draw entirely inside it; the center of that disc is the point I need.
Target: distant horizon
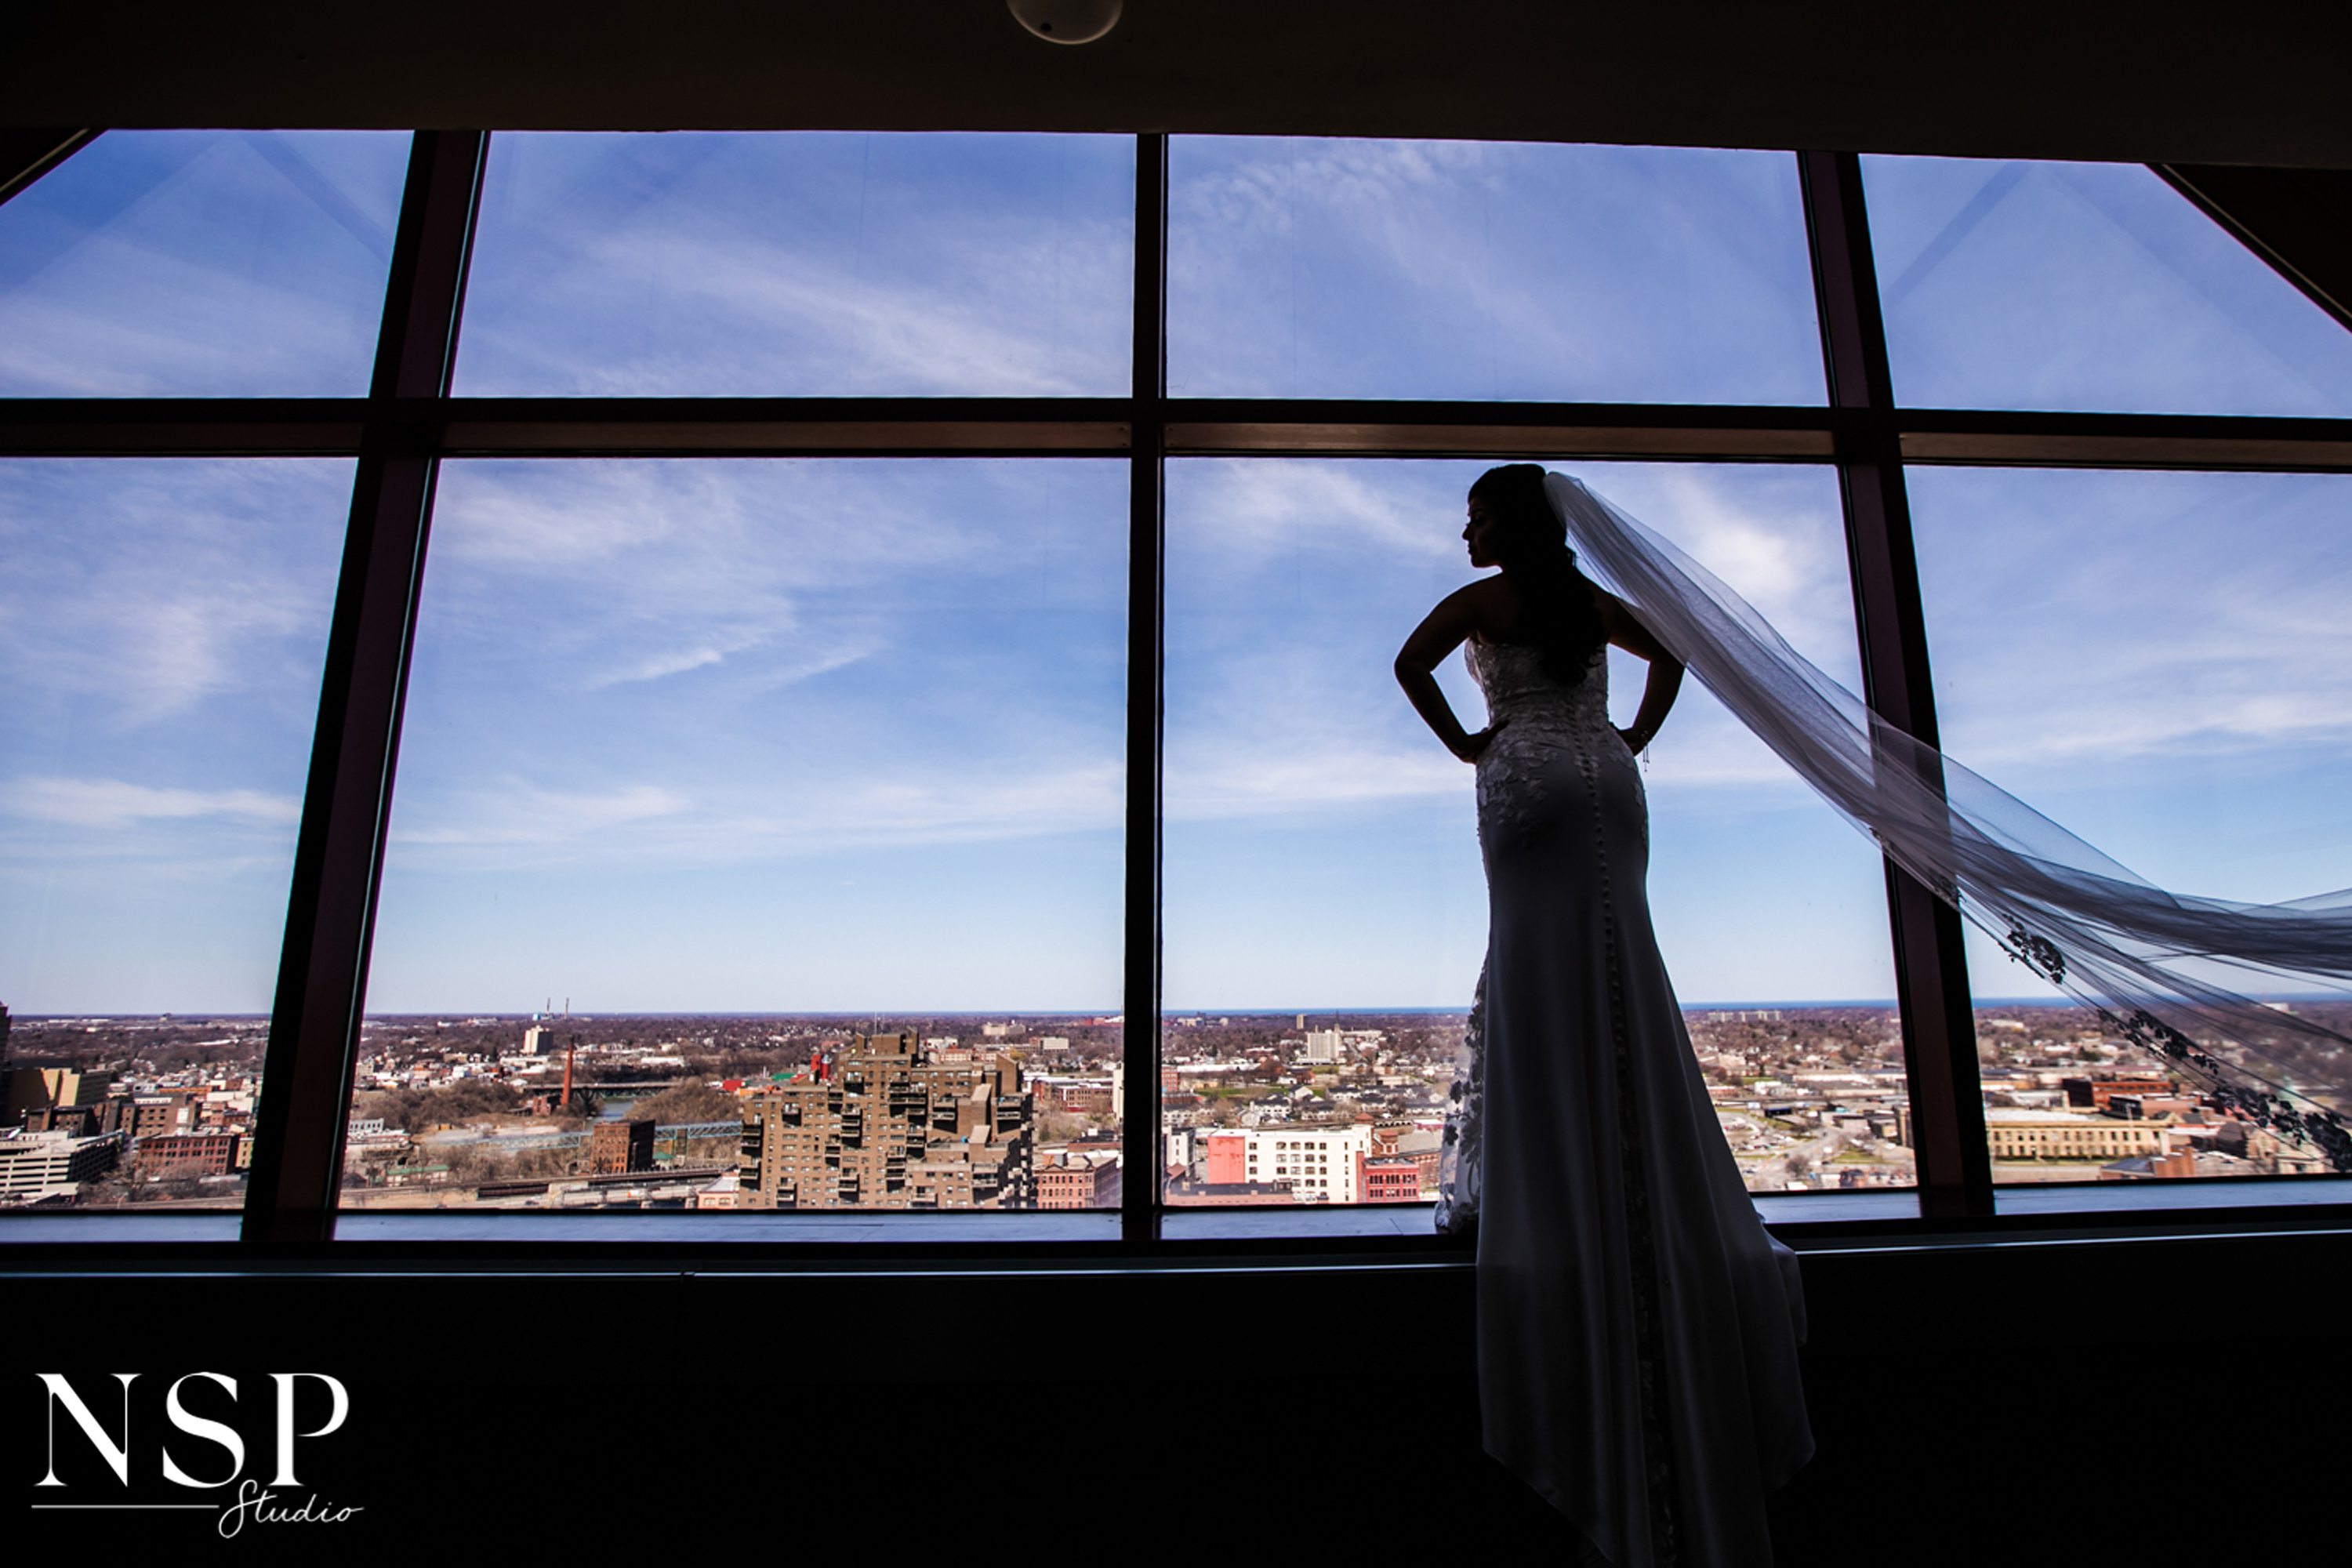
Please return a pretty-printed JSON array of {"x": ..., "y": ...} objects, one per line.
[{"x": 1871, "y": 1004}]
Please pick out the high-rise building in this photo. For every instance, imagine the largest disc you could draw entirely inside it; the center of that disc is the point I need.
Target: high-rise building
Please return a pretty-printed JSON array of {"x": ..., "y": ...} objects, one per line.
[
  {"x": 47, "y": 1165},
  {"x": 27, "y": 1089},
  {"x": 879, "y": 1125}
]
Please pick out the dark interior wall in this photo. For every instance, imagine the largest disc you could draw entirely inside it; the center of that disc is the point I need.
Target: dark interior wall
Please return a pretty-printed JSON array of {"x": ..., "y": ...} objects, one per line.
[
  {"x": 2250, "y": 83},
  {"x": 1970, "y": 1407}
]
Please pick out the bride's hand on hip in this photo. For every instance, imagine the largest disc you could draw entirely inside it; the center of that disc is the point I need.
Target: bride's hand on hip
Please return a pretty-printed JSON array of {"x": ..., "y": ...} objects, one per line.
[{"x": 1474, "y": 744}]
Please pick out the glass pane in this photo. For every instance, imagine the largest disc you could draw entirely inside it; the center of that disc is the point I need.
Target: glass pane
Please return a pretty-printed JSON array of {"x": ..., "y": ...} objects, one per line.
[
  {"x": 1347, "y": 268},
  {"x": 2088, "y": 288},
  {"x": 738, "y": 799},
  {"x": 801, "y": 264},
  {"x": 1326, "y": 913},
  {"x": 2160, "y": 662},
  {"x": 162, "y": 629},
  {"x": 199, "y": 264}
]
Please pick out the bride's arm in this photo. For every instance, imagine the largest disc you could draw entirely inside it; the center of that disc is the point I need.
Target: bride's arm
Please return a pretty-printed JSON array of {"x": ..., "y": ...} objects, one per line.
[
  {"x": 1439, "y": 633},
  {"x": 1665, "y": 670}
]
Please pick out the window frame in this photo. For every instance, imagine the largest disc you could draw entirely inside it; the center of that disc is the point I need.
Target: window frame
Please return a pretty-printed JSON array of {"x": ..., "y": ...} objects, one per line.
[{"x": 409, "y": 422}]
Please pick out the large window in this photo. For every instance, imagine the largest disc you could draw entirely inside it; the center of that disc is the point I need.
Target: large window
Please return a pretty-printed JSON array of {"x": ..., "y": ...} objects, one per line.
[
  {"x": 721, "y": 774},
  {"x": 858, "y": 680},
  {"x": 1324, "y": 917},
  {"x": 161, "y": 623}
]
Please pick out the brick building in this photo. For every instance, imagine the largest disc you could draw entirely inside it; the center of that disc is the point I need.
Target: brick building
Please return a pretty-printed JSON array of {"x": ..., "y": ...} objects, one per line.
[
  {"x": 2095, "y": 1092},
  {"x": 879, "y": 1125},
  {"x": 2060, "y": 1135},
  {"x": 1392, "y": 1180},
  {"x": 616, "y": 1148},
  {"x": 1073, "y": 1180},
  {"x": 165, "y": 1156}
]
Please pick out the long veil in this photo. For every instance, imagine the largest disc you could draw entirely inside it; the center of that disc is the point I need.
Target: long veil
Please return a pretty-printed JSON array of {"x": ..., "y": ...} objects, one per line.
[{"x": 2168, "y": 971}]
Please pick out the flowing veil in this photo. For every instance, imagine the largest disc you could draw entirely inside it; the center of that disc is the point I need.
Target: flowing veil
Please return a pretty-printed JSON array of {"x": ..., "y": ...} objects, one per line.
[{"x": 2168, "y": 971}]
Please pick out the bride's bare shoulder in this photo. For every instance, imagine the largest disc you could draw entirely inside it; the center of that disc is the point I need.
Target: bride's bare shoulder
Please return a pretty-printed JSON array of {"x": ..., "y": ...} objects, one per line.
[
  {"x": 1466, "y": 612},
  {"x": 1492, "y": 606}
]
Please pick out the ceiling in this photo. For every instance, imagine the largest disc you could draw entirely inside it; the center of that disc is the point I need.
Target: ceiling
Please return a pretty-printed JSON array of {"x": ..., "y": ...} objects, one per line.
[{"x": 2251, "y": 83}]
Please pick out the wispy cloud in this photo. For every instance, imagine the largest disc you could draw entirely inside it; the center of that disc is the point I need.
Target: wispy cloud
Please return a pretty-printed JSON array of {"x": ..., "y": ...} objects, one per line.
[
  {"x": 1231, "y": 783},
  {"x": 1247, "y": 510},
  {"x": 156, "y": 590},
  {"x": 695, "y": 664},
  {"x": 1066, "y": 795},
  {"x": 662, "y": 664},
  {"x": 720, "y": 263},
  {"x": 828, "y": 327},
  {"x": 119, "y": 803},
  {"x": 1391, "y": 268},
  {"x": 2086, "y": 620},
  {"x": 737, "y": 821},
  {"x": 519, "y": 812}
]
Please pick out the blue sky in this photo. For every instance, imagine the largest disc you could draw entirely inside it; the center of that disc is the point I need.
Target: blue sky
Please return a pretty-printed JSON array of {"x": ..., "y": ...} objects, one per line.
[
  {"x": 2089, "y": 288},
  {"x": 726, "y": 735},
  {"x": 830, "y": 735},
  {"x": 1346, "y": 268},
  {"x": 197, "y": 263},
  {"x": 802, "y": 264},
  {"x": 162, "y": 625}
]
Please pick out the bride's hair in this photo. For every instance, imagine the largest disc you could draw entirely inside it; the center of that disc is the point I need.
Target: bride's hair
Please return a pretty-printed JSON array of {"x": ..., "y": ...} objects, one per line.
[{"x": 1556, "y": 599}]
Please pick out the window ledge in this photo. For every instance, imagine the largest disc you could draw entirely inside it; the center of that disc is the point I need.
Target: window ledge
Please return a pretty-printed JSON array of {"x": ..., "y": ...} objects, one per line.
[
  {"x": 730, "y": 1230},
  {"x": 1777, "y": 1209},
  {"x": 81, "y": 1228},
  {"x": 1373, "y": 1235},
  {"x": 2168, "y": 1198},
  {"x": 1290, "y": 1224}
]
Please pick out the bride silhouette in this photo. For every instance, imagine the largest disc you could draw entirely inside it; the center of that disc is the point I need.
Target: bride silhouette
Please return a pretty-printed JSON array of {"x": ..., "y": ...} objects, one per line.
[{"x": 1637, "y": 1327}]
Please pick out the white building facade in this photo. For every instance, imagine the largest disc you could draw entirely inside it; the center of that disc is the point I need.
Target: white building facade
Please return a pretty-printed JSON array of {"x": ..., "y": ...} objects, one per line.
[{"x": 1320, "y": 1164}]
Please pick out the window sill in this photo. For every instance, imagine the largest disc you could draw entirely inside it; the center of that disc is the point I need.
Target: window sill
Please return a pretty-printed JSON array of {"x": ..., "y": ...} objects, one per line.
[
  {"x": 1290, "y": 1223},
  {"x": 2232, "y": 1192},
  {"x": 1370, "y": 1235},
  {"x": 81, "y": 1228},
  {"x": 732, "y": 1230}
]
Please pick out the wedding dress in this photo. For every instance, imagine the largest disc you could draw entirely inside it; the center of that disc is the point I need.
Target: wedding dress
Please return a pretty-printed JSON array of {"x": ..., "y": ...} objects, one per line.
[{"x": 1637, "y": 1327}]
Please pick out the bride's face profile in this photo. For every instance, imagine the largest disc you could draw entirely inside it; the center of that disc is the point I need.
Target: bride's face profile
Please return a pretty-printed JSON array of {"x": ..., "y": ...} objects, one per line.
[{"x": 1481, "y": 533}]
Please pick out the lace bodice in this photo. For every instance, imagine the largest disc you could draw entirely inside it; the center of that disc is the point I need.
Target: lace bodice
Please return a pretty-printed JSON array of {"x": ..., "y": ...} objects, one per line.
[
  {"x": 1542, "y": 722},
  {"x": 1512, "y": 677}
]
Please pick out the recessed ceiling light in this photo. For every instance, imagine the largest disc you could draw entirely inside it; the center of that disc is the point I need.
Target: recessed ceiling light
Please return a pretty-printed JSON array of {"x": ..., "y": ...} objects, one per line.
[{"x": 1066, "y": 21}]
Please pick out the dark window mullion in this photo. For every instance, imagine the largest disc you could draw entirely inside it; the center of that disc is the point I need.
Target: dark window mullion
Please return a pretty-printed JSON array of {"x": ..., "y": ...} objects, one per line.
[
  {"x": 1146, "y": 647},
  {"x": 323, "y": 973},
  {"x": 32, "y": 152},
  {"x": 1955, "y": 1171},
  {"x": 1088, "y": 428}
]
